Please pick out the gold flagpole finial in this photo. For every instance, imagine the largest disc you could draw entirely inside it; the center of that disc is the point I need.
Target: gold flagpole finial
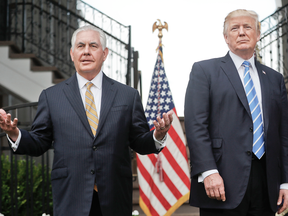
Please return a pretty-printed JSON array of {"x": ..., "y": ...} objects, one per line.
[{"x": 160, "y": 27}]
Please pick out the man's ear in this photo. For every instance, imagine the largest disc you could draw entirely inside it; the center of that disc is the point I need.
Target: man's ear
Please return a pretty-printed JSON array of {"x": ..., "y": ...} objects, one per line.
[
  {"x": 71, "y": 55},
  {"x": 106, "y": 51}
]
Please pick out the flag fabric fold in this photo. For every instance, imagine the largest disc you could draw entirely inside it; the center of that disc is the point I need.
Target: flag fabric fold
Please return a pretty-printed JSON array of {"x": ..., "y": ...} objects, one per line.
[{"x": 164, "y": 179}]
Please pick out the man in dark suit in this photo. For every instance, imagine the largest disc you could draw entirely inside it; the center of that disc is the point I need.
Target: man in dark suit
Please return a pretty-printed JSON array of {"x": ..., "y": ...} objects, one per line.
[
  {"x": 92, "y": 121},
  {"x": 236, "y": 124}
]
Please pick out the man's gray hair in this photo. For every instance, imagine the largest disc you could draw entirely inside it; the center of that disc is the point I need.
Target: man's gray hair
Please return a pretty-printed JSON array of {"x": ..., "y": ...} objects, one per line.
[
  {"x": 238, "y": 13},
  {"x": 89, "y": 28}
]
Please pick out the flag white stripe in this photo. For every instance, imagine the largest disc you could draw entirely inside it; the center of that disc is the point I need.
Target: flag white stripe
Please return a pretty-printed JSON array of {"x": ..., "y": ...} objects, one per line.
[
  {"x": 177, "y": 181},
  {"x": 174, "y": 150},
  {"x": 149, "y": 193}
]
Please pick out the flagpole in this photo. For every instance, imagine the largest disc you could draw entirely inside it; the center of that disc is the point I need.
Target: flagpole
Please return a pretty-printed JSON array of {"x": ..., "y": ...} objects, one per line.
[{"x": 164, "y": 178}]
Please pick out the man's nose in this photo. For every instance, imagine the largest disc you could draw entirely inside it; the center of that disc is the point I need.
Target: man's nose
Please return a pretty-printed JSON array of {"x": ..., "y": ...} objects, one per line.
[
  {"x": 241, "y": 30},
  {"x": 87, "y": 50}
]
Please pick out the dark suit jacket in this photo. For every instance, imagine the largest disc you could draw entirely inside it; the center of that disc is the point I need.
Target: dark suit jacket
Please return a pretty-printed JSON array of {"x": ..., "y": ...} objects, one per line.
[
  {"x": 219, "y": 130},
  {"x": 79, "y": 157}
]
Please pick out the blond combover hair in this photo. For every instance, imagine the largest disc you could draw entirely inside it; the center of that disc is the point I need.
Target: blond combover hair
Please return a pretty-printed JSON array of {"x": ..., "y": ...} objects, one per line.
[{"x": 238, "y": 13}]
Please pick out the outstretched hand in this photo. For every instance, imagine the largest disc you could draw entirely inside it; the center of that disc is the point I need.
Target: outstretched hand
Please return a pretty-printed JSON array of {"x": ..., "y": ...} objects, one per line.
[
  {"x": 8, "y": 126},
  {"x": 163, "y": 125}
]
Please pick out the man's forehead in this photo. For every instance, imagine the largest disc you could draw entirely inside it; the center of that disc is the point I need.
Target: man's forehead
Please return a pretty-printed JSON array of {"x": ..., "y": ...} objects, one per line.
[
  {"x": 242, "y": 20},
  {"x": 88, "y": 36}
]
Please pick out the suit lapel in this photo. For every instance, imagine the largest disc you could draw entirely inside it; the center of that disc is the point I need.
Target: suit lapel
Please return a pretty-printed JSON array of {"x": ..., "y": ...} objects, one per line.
[
  {"x": 232, "y": 74},
  {"x": 108, "y": 94},
  {"x": 71, "y": 90},
  {"x": 265, "y": 92}
]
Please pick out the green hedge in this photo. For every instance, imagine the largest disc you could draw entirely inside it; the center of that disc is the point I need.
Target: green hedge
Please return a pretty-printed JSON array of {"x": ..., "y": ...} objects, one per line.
[{"x": 21, "y": 188}]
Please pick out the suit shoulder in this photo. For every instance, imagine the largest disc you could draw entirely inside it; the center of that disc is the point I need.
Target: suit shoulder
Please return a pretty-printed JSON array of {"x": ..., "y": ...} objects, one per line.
[
  {"x": 121, "y": 86},
  {"x": 207, "y": 66},
  {"x": 209, "y": 61},
  {"x": 58, "y": 85}
]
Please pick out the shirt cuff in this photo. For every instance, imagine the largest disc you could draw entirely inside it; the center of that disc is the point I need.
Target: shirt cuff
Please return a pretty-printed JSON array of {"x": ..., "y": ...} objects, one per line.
[
  {"x": 284, "y": 186},
  {"x": 14, "y": 145},
  {"x": 203, "y": 175},
  {"x": 159, "y": 144}
]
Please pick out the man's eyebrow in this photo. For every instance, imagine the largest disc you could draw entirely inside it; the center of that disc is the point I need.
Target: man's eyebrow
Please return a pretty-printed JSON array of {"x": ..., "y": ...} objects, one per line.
[
  {"x": 93, "y": 43},
  {"x": 80, "y": 43}
]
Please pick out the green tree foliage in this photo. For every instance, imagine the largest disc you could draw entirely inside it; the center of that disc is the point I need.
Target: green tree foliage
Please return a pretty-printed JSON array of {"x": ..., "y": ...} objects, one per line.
[{"x": 24, "y": 187}]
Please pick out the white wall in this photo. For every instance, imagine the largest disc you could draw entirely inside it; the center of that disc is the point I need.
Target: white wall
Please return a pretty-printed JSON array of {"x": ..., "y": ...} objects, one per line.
[{"x": 16, "y": 76}]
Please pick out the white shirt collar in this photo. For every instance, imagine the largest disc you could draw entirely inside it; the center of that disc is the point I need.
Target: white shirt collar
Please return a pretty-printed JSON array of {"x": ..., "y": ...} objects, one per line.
[
  {"x": 238, "y": 61},
  {"x": 97, "y": 81}
]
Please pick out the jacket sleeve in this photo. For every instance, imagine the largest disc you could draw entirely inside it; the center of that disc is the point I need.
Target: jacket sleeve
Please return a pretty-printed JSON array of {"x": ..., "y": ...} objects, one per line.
[
  {"x": 39, "y": 139},
  {"x": 196, "y": 112}
]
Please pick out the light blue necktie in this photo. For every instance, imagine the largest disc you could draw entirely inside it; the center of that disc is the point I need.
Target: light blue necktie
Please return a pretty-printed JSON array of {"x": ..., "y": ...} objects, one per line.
[{"x": 258, "y": 132}]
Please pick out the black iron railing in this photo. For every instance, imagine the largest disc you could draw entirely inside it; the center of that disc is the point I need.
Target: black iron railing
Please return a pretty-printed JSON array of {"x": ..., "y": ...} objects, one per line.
[
  {"x": 45, "y": 28},
  {"x": 25, "y": 187},
  {"x": 273, "y": 45}
]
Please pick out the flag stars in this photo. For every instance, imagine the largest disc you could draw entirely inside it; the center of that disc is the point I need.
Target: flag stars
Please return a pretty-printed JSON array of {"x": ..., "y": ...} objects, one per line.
[
  {"x": 155, "y": 100},
  {"x": 169, "y": 93},
  {"x": 146, "y": 114},
  {"x": 161, "y": 100},
  {"x": 153, "y": 86},
  {"x": 168, "y": 100},
  {"x": 154, "y": 108},
  {"x": 152, "y": 115},
  {"x": 149, "y": 100},
  {"x": 163, "y": 93},
  {"x": 148, "y": 107},
  {"x": 166, "y": 107},
  {"x": 164, "y": 86},
  {"x": 150, "y": 122},
  {"x": 151, "y": 93}
]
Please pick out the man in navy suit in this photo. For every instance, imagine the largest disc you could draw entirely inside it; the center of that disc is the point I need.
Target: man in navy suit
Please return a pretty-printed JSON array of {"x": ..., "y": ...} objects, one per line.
[
  {"x": 236, "y": 120},
  {"x": 91, "y": 174}
]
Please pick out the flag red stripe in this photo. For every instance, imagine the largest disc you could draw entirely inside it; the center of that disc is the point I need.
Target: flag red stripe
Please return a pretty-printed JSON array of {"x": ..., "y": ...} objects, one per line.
[
  {"x": 166, "y": 178},
  {"x": 147, "y": 203},
  {"x": 178, "y": 141},
  {"x": 171, "y": 186},
  {"x": 176, "y": 167},
  {"x": 153, "y": 187}
]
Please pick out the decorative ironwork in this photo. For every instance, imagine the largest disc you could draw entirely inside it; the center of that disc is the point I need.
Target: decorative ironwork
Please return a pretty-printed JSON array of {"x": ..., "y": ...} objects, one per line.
[
  {"x": 45, "y": 28},
  {"x": 273, "y": 49},
  {"x": 27, "y": 113}
]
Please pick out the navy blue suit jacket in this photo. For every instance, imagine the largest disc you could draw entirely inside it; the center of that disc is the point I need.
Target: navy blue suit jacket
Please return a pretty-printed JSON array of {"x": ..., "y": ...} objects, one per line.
[
  {"x": 79, "y": 157},
  {"x": 218, "y": 126}
]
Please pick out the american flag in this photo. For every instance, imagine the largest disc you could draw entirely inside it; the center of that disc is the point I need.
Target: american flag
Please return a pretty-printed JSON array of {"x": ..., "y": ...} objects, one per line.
[{"x": 164, "y": 180}]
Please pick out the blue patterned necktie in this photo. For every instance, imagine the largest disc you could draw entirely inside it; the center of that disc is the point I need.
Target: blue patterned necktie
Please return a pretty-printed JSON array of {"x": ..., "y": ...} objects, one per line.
[{"x": 258, "y": 132}]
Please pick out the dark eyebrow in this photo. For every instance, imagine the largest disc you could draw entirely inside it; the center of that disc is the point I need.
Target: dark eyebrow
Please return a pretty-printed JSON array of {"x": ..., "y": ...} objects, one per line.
[
  {"x": 94, "y": 43},
  {"x": 80, "y": 43}
]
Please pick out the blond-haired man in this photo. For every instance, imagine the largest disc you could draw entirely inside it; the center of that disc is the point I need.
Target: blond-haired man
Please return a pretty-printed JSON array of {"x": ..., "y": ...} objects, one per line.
[{"x": 236, "y": 119}]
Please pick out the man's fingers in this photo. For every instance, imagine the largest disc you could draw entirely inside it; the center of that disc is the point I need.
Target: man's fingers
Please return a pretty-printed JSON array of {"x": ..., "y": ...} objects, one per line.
[
  {"x": 15, "y": 122},
  {"x": 222, "y": 194}
]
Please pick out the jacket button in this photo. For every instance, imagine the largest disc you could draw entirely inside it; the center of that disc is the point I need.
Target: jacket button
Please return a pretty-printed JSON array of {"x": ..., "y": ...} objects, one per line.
[
  {"x": 248, "y": 153},
  {"x": 94, "y": 148},
  {"x": 251, "y": 129},
  {"x": 92, "y": 172}
]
